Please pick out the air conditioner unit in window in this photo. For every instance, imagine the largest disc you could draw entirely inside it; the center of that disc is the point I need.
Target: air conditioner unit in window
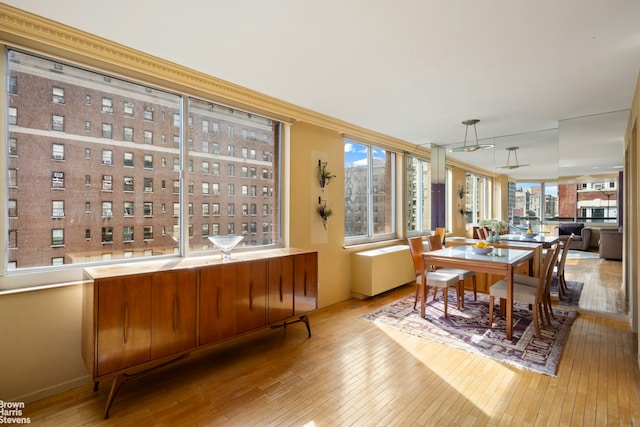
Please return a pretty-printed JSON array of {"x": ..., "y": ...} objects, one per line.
[
  {"x": 106, "y": 162},
  {"x": 58, "y": 156}
]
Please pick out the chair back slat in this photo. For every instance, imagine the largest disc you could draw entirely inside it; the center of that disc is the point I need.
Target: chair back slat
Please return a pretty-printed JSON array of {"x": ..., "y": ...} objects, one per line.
[{"x": 417, "y": 249}]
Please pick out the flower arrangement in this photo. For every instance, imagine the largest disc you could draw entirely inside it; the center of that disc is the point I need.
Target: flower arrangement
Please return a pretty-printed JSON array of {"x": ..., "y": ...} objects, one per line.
[{"x": 496, "y": 225}]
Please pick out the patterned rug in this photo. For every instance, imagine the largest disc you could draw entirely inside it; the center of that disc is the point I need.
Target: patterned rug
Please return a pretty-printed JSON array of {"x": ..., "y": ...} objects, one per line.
[
  {"x": 572, "y": 297},
  {"x": 467, "y": 329}
]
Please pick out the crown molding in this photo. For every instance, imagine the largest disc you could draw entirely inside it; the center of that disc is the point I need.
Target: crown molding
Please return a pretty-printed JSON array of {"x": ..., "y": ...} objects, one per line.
[{"x": 28, "y": 31}]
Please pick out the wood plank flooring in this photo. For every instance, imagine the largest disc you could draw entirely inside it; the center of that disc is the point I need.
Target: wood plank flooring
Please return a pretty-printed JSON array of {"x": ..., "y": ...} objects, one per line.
[{"x": 351, "y": 372}]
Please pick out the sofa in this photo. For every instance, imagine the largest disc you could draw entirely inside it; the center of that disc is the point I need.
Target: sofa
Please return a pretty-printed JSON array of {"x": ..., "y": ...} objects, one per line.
[
  {"x": 610, "y": 245},
  {"x": 581, "y": 234}
]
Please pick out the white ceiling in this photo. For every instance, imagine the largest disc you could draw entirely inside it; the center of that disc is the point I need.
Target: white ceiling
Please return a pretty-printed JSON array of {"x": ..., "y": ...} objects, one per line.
[{"x": 412, "y": 69}]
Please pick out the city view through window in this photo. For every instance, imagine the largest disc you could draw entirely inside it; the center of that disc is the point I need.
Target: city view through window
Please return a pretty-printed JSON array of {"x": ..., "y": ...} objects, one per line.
[{"x": 103, "y": 169}]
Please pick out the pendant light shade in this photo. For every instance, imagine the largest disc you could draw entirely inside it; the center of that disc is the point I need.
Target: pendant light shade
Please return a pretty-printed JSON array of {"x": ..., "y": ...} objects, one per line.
[
  {"x": 471, "y": 147},
  {"x": 516, "y": 165}
]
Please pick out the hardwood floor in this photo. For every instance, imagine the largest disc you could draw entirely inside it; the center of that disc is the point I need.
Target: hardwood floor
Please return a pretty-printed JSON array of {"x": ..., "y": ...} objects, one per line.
[{"x": 351, "y": 372}]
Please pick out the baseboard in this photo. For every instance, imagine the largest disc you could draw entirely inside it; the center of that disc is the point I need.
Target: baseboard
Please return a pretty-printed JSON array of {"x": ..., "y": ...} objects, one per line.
[{"x": 53, "y": 390}]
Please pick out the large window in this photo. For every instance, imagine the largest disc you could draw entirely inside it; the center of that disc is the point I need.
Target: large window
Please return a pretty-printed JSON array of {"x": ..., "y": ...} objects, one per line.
[
  {"x": 55, "y": 147},
  {"x": 477, "y": 197},
  {"x": 369, "y": 193},
  {"x": 418, "y": 194}
]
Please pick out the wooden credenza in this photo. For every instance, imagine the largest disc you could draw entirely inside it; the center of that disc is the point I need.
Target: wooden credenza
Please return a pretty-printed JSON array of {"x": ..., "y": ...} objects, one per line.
[{"x": 137, "y": 317}]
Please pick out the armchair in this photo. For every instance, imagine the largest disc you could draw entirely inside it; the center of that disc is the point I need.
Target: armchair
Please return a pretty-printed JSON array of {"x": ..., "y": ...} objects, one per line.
[
  {"x": 610, "y": 246},
  {"x": 582, "y": 234}
]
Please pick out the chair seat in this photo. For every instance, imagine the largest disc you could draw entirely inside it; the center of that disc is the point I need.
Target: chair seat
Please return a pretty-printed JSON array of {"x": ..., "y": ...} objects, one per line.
[
  {"x": 522, "y": 293},
  {"x": 462, "y": 274},
  {"x": 439, "y": 280}
]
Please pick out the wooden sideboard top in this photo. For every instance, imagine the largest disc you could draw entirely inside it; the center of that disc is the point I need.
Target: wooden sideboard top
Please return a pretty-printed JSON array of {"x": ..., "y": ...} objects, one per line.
[{"x": 151, "y": 266}]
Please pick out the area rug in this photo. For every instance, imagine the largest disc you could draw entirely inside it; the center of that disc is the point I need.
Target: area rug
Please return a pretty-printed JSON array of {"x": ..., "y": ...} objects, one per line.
[
  {"x": 571, "y": 298},
  {"x": 467, "y": 329}
]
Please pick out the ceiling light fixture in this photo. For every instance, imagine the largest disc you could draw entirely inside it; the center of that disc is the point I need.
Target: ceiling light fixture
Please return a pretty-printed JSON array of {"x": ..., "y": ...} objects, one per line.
[
  {"x": 515, "y": 154},
  {"x": 472, "y": 147}
]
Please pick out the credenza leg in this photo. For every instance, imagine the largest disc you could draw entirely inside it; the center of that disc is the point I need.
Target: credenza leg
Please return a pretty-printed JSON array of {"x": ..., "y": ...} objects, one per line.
[
  {"x": 118, "y": 382},
  {"x": 304, "y": 318}
]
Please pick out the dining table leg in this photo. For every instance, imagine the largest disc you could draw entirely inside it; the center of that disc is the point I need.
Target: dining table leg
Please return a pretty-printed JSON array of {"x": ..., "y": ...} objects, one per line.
[
  {"x": 509, "y": 301},
  {"x": 423, "y": 297}
]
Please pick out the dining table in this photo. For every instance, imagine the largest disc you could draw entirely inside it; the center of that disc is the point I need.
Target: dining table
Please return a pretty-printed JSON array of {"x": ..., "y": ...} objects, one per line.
[
  {"x": 547, "y": 241},
  {"x": 499, "y": 261}
]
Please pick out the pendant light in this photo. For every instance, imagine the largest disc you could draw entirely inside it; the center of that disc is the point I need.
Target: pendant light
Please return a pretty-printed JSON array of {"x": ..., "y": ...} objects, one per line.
[
  {"x": 472, "y": 147},
  {"x": 515, "y": 155}
]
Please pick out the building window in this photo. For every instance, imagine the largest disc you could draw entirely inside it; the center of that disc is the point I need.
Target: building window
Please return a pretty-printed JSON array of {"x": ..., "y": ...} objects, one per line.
[
  {"x": 127, "y": 109},
  {"x": 148, "y": 161},
  {"x": 13, "y": 146},
  {"x": 13, "y": 208},
  {"x": 107, "y": 182},
  {"x": 107, "y": 157},
  {"x": 128, "y": 159},
  {"x": 57, "y": 122},
  {"x": 87, "y": 207},
  {"x": 205, "y": 168},
  {"x": 87, "y": 126},
  {"x": 57, "y": 95},
  {"x": 148, "y": 232},
  {"x": 13, "y": 178},
  {"x": 57, "y": 208},
  {"x": 13, "y": 85},
  {"x": 57, "y": 237},
  {"x": 128, "y": 134},
  {"x": 128, "y": 209},
  {"x": 57, "y": 180},
  {"x": 107, "y": 235},
  {"x": 107, "y": 105},
  {"x": 205, "y": 209},
  {"x": 13, "y": 116},
  {"x": 13, "y": 239},
  {"x": 148, "y": 137},
  {"x": 128, "y": 183},
  {"x": 148, "y": 113},
  {"x": 148, "y": 185},
  {"x": 57, "y": 151},
  {"x": 107, "y": 130},
  {"x": 215, "y": 207},
  {"x": 87, "y": 234},
  {"x": 107, "y": 209},
  {"x": 127, "y": 233},
  {"x": 148, "y": 208},
  {"x": 205, "y": 230},
  {"x": 369, "y": 193}
]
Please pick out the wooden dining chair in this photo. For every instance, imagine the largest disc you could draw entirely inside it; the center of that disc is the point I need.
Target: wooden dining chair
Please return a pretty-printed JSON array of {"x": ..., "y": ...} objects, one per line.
[
  {"x": 559, "y": 268},
  {"x": 434, "y": 244},
  {"x": 533, "y": 282},
  {"x": 441, "y": 231},
  {"x": 435, "y": 279},
  {"x": 483, "y": 233},
  {"x": 534, "y": 296}
]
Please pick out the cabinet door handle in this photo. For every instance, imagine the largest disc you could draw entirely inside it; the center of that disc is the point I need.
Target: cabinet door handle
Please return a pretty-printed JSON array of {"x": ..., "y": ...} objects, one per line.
[
  {"x": 251, "y": 295},
  {"x": 175, "y": 312},
  {"x": 281, "y": 298},
  {"x": 218, "y": 300},
  {"x": 125, "y": 321},
  {"x": 305, "y": 283}
]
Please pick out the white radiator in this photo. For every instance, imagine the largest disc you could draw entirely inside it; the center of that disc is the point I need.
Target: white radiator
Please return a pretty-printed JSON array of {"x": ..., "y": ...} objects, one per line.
[{"x": 379, "y": 270}]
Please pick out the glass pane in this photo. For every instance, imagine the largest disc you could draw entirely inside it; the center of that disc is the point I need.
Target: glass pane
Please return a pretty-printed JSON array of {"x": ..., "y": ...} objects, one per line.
[
  {"x": 418, "y": 194},
  {"x": 241, "y": 207},
  {"x": 356, "y": 171},
  {"x": 52, "y": 165}
]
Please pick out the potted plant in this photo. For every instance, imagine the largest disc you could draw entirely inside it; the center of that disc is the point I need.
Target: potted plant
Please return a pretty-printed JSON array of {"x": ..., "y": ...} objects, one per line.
[
  {"x": 325, "y": 212},
  {"x": 495, "y": 225},
  {"x": 324, "y": 175}
]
